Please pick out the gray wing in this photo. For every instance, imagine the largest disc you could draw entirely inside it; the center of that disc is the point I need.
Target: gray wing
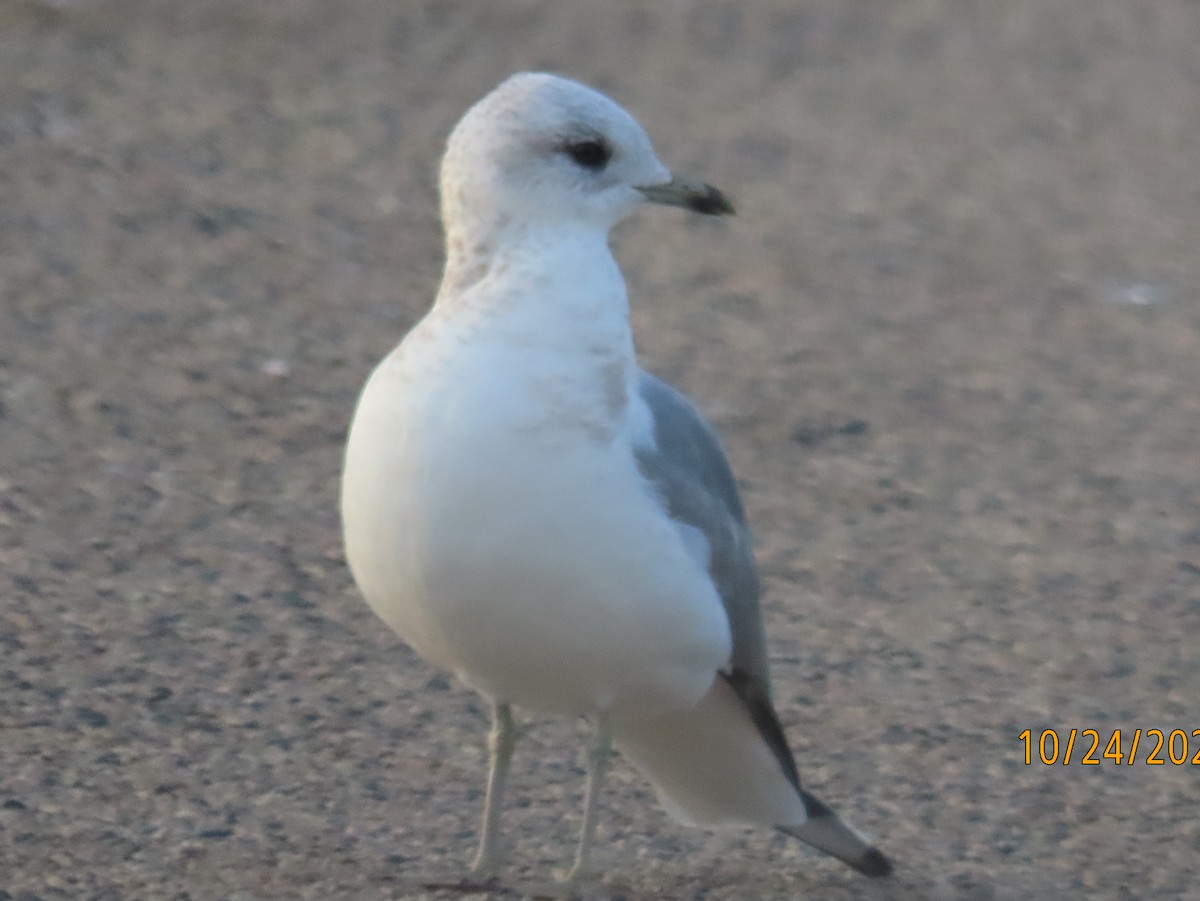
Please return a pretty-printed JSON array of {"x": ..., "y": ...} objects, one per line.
[{"x": 689, "y": 470}]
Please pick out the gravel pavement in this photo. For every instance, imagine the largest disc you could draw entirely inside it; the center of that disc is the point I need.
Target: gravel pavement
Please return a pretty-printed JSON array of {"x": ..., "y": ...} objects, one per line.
[{"x": 952, "y": 343}]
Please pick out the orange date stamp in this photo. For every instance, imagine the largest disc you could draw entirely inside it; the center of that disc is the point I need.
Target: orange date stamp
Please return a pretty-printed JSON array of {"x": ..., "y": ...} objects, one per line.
[{"x": 1091, "y": 747}]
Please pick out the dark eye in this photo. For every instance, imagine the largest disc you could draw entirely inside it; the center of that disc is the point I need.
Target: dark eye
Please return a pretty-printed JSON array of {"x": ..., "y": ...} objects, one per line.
[{"x": 591, "y": 154}]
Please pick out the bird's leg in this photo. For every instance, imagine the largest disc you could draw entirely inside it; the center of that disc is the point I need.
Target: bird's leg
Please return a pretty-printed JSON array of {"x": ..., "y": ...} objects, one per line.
[
  {"x": 599, "y": 759},
  {"x": 501, "y": 741}
]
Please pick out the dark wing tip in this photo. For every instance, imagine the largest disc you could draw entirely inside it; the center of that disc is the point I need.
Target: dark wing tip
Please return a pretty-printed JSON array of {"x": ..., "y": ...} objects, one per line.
[
  {"x": 873, "y": 863},
  {"x": 825, "y": 831}
]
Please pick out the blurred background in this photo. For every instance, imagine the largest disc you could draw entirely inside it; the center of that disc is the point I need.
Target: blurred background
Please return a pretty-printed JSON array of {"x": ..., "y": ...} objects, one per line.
[{"x": 952, "y": 344}]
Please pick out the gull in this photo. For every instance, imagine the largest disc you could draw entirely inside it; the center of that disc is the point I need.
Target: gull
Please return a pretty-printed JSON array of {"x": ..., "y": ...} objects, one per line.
[{"x": 529, "y": 509}]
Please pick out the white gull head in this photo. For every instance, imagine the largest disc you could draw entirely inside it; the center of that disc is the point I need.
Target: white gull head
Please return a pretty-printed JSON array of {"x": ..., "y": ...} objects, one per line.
[{"x": 545, "y": 151}]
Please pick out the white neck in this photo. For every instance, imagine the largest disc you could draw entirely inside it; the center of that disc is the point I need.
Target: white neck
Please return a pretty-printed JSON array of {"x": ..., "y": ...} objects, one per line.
[
  {"x": 550, "y": 305},
  {"x": 556, "y": 279}
]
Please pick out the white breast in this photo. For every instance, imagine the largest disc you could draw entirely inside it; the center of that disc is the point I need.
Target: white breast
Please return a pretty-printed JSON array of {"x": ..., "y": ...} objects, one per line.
[{"x": 496, "y": 519}]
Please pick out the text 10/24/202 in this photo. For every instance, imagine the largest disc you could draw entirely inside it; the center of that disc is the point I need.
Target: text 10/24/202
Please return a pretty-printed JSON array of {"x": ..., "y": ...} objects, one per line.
[{"x": 1083, "y": 746}]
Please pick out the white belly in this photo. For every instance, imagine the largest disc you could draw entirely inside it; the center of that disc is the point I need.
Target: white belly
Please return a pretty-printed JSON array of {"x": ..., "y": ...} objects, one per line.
[{"x": 532, "y": 561}]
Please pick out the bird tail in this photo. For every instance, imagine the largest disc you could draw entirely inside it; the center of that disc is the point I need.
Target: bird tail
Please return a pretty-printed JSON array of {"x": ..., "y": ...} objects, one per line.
[{"x": 711, "y": 765}]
